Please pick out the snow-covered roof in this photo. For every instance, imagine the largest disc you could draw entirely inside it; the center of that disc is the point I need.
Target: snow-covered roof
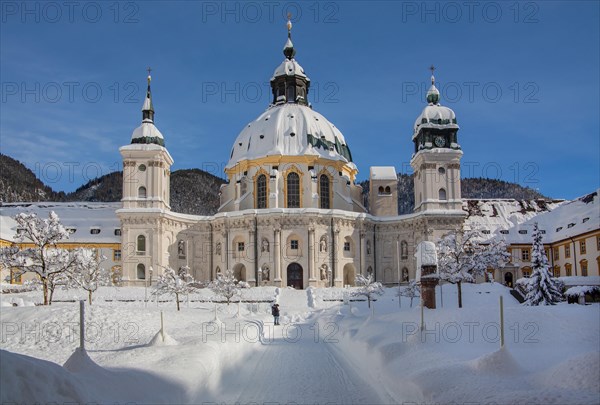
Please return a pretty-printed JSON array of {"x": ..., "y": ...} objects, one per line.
[
  {"x": 383, "y": 173},
  {"x": 498, "y": 216},
  {"x": 435, "y": 116},
  {"x": 289, "y": 67},
  {"x": 570, "y": 219},
  {"x": 81, "y": 218},
  {"x": 289, "y": 130},
  {"x": 146, "y": 130}
]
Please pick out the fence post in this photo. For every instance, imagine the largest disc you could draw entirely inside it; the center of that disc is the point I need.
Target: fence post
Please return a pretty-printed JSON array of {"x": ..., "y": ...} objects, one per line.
[
  {"x": 81, "y": 325},
  {"x": 501, "y": 323}
]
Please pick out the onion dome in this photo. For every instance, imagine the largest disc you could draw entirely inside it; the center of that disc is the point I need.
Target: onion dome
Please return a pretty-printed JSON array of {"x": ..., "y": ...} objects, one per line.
[
  {"x": 434, "y": 115},
  {"x": 147, "y": 133}
]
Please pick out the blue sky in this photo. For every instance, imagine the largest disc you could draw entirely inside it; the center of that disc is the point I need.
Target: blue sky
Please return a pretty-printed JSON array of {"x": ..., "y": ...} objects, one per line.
[{"x": 522, "y": 77}]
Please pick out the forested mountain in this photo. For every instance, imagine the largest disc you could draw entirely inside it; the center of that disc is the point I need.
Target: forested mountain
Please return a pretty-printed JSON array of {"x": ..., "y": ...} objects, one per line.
[{"x": 194, "y": 191}]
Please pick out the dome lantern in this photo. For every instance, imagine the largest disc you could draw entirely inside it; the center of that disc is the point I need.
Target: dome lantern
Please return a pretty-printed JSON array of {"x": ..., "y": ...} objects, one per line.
[{"x": 289, "y": 84}]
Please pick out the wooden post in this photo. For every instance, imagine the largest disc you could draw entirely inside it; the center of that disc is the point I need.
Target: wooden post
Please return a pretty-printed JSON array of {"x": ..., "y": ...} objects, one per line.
[
  {"x": 81, "y": 325},
  {"x": 422, "y": 314},
  {"x": 501, "y": 323},
  {"x": 162, "y": 327}
]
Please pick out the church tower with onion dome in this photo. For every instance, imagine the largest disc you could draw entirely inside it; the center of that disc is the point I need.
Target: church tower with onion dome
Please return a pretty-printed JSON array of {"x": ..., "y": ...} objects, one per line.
[
  {"x": 146, "y": 163},
  {"x": 146, "y": 193},
  {"x": 436, "y": 158},
  {"x": 290, "y": 156}
]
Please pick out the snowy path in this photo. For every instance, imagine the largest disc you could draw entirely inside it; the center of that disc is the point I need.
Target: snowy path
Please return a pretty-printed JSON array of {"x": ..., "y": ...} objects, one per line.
[
  {"x": 298, "y": 363},
  {"x": 296, "y": 367}
]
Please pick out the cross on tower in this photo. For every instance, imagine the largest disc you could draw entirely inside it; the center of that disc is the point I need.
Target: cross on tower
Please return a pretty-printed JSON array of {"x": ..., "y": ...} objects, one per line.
[{"x": 149, "y": 69}]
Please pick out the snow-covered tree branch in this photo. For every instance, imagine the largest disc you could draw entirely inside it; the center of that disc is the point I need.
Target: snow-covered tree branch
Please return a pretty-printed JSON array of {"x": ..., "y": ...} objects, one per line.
[
  {"x": 39, "y": 253},
  {"x": 367, "y": 287},
  {"x": 542, "y": 288},
  {"x": 88, "y": 272},
  {"x": 175, "y": 282},
  {"x": 462, "y": 256},
  {"x": 227, "y": 286}
]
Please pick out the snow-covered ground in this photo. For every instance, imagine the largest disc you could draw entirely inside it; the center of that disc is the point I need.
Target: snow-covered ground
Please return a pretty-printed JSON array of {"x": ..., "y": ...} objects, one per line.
[{"x": 325, "y": 352}]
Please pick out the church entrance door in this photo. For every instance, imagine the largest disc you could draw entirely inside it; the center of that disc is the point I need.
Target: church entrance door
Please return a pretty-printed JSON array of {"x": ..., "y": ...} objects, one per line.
[{"x": 295, "y": 276}]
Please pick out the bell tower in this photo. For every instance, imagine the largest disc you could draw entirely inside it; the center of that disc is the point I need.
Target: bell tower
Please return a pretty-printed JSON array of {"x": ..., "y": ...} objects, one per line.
[
  {"x": 436, "y": 158},
  {"x": 146, "y": 163}
]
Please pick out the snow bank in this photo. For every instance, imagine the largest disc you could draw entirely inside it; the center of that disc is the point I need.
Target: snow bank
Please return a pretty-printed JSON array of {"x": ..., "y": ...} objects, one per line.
[
  {"x": 29, "y": 380},
  {"x": 162, "y": 339}
]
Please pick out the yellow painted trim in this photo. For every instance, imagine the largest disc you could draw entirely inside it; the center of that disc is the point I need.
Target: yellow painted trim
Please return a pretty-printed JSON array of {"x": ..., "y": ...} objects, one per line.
[
  {"x": 277, "y": 160},
  {"x": 261, "y": 172}
]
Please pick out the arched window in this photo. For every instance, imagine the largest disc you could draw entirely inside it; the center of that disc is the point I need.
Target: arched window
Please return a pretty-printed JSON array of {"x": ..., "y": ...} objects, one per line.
[
  {"x": 568, "y": 270},
  {"x": 584, "y": 267},
  {"x": 261, "y": 192},
  {"x": 388, "y": 190},
  {"x": 380, "y": 190},
  {"x": 142, "y": 192},
  {"x": 141, "y": 271},
  {"x": 405, "y": 275},
  {"x": 293, "y": 190},
  {"x": 141, "y": 244},
  {"x": 442, "y": 194},
  {"x": 324, "y": 192}
]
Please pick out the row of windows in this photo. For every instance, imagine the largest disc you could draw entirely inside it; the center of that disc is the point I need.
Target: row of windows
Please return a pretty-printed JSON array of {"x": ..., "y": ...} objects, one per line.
[
  {"x": 293, "y": 191},
  {"x": 526, "y": 252},
  {"x": 583, "y": 269},
  {"x": 93, "y": 231}
]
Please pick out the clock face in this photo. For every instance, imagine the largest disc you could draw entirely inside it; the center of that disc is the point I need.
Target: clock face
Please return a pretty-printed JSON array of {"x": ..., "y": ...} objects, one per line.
[{"x": 439, "y": 141}]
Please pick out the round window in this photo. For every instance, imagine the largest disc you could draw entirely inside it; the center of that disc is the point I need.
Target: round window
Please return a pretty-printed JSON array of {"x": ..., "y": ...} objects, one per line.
[
  {"x": 441, "y": 170},
  {"x": 142, "y": 168}
]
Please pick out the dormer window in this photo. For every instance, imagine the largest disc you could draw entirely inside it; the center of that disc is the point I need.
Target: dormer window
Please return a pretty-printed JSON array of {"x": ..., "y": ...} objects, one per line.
[
  {"x": 71, "y": 230},
  {"x": 523, "y": 231},
  {"x": 117, "y": 232},
  {"x": 585, "y": 220},
  {"x": 95, "y": 231},
  {"x": 571, "y": 225},
  {"x": 504, "y": 232}
]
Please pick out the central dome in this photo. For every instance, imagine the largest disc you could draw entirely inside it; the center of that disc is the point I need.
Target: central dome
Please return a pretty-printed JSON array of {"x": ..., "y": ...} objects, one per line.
[{"x": 290, "y": 130}]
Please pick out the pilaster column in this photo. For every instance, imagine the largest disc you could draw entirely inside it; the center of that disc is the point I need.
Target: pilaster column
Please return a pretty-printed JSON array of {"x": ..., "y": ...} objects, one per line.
[
  {"x": 363, "y": 259},
  {"x": 311, "y": 256},
  {"x": 336, "y": 244},
  {"x": 277, "y": 254}
]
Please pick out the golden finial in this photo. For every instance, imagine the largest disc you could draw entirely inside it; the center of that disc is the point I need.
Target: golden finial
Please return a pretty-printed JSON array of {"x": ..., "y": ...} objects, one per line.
[
  {"x": 289, "y": 23},
  {"x": 149, "y": 69}
]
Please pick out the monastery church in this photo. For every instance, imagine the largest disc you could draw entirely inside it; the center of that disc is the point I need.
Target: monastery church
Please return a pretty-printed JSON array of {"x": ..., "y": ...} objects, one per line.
[{"x": 291, "y": 213}]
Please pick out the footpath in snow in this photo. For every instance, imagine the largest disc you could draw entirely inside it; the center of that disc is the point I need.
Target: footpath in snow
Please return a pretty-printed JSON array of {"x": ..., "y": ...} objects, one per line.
[{"x": 324, "y": 351}]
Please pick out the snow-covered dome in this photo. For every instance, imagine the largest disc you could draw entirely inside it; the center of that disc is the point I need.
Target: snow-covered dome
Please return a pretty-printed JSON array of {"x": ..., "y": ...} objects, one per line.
[
  {"x": 146, "y": 131},
  {"x": 434, "y": 115},
  {"x": 290, "y": 129}
]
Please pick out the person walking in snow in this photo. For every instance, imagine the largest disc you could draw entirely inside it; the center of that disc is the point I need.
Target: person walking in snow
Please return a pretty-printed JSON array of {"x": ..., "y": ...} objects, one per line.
[{"x": 275, "y": 313}]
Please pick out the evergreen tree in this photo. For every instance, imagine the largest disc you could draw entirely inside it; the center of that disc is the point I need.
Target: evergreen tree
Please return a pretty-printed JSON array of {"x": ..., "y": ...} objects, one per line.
[{"x": 542, "y": 288}]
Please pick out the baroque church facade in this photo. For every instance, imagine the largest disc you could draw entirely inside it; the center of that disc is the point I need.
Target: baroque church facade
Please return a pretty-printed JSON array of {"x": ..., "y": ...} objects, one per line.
[{"x": 291, "y": 213}]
